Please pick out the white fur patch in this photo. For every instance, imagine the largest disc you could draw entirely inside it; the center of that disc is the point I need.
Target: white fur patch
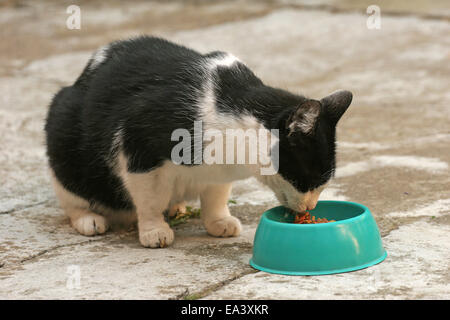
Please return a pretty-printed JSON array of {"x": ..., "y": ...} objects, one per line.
[
  {"x": 207, "y": 102},
  {"x": 219, "y": 123},
  {"x": 171, "y": 184},
  {"x": 288, "y": 196},
  {"x": 98, "y": 57},
  {"x": 226, "y": 61}
]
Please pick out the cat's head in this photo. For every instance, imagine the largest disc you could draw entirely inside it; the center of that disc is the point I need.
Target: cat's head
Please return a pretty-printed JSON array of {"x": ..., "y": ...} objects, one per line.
[{"x": 307, "y": 150}]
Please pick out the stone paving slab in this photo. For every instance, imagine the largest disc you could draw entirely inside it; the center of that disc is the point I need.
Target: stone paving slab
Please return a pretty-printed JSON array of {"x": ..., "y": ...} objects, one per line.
[{"x": 117, "y": 267}]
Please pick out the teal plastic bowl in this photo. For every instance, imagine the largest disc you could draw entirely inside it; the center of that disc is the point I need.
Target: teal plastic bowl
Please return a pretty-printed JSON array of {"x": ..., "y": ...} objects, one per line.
[{"x": 351, "y": 243}]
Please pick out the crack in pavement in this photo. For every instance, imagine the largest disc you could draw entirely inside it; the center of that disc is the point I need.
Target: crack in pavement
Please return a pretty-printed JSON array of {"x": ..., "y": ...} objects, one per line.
[
  {"x": 212, "y": 288},
  {"x": 25, "y": 207},
  {"x": 45, "y": 251},
  {"x": 54, "y": 248}
]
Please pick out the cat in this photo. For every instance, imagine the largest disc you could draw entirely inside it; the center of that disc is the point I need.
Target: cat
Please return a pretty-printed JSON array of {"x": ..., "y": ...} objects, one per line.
[{"x": 109, "y": 137}]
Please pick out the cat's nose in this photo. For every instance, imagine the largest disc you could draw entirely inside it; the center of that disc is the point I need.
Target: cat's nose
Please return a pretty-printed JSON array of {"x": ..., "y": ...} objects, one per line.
[{"x": 311, "y": 199}]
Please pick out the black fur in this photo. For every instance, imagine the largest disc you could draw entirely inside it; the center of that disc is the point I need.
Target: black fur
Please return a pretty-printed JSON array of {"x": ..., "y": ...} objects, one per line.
[{"x": 148, "y": 87}]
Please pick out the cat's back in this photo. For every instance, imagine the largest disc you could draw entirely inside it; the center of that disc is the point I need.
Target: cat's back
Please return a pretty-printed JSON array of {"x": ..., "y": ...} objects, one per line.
[
  {"x": 151, "y": 47},
  {"x": 142, "y": 59}
]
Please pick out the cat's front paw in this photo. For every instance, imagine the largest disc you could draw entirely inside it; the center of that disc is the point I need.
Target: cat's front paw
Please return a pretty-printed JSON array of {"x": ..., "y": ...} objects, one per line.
[
  {"x": 158, "y": 237},
  {"x": 227, "y": 227}
]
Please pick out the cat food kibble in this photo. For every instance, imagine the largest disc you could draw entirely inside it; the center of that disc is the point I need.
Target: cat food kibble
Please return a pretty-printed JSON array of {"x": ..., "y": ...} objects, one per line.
[{"x": 306, "y": 218}]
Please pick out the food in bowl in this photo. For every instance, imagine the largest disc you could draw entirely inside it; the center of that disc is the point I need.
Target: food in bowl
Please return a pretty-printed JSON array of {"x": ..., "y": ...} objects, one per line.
[{"x": 306, "y": 218}]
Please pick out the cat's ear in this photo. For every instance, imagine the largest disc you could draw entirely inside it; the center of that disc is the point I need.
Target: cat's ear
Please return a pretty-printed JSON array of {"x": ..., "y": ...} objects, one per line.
[
  {"x": 336, "y": 103},
  {"x": 304, "y": 118}
]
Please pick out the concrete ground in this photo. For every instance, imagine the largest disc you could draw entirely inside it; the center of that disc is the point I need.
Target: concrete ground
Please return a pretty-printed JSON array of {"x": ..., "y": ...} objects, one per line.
[{"x": 393, "y": 149}]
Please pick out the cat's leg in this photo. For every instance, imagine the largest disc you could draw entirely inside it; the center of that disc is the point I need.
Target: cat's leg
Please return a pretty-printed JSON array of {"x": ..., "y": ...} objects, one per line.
[
  {"x": 215, "y": 213},
  {"x": 151, "y": 194},
  {"x": 84, "y": 220}
]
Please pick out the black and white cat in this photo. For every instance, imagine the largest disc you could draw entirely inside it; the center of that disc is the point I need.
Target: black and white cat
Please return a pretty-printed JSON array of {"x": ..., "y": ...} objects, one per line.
[{"x": 109, "y": 137}]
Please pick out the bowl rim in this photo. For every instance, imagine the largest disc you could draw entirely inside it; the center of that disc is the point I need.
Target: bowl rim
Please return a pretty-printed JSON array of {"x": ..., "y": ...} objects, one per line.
[{"x": 319, "y": 225}]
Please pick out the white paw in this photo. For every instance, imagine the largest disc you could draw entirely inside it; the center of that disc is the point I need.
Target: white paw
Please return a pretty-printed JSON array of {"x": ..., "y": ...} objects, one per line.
[
  {"x": 226, "y": 227},
  {"x": 158, "y": 237},
  {"x": 90, "y": 224}
]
